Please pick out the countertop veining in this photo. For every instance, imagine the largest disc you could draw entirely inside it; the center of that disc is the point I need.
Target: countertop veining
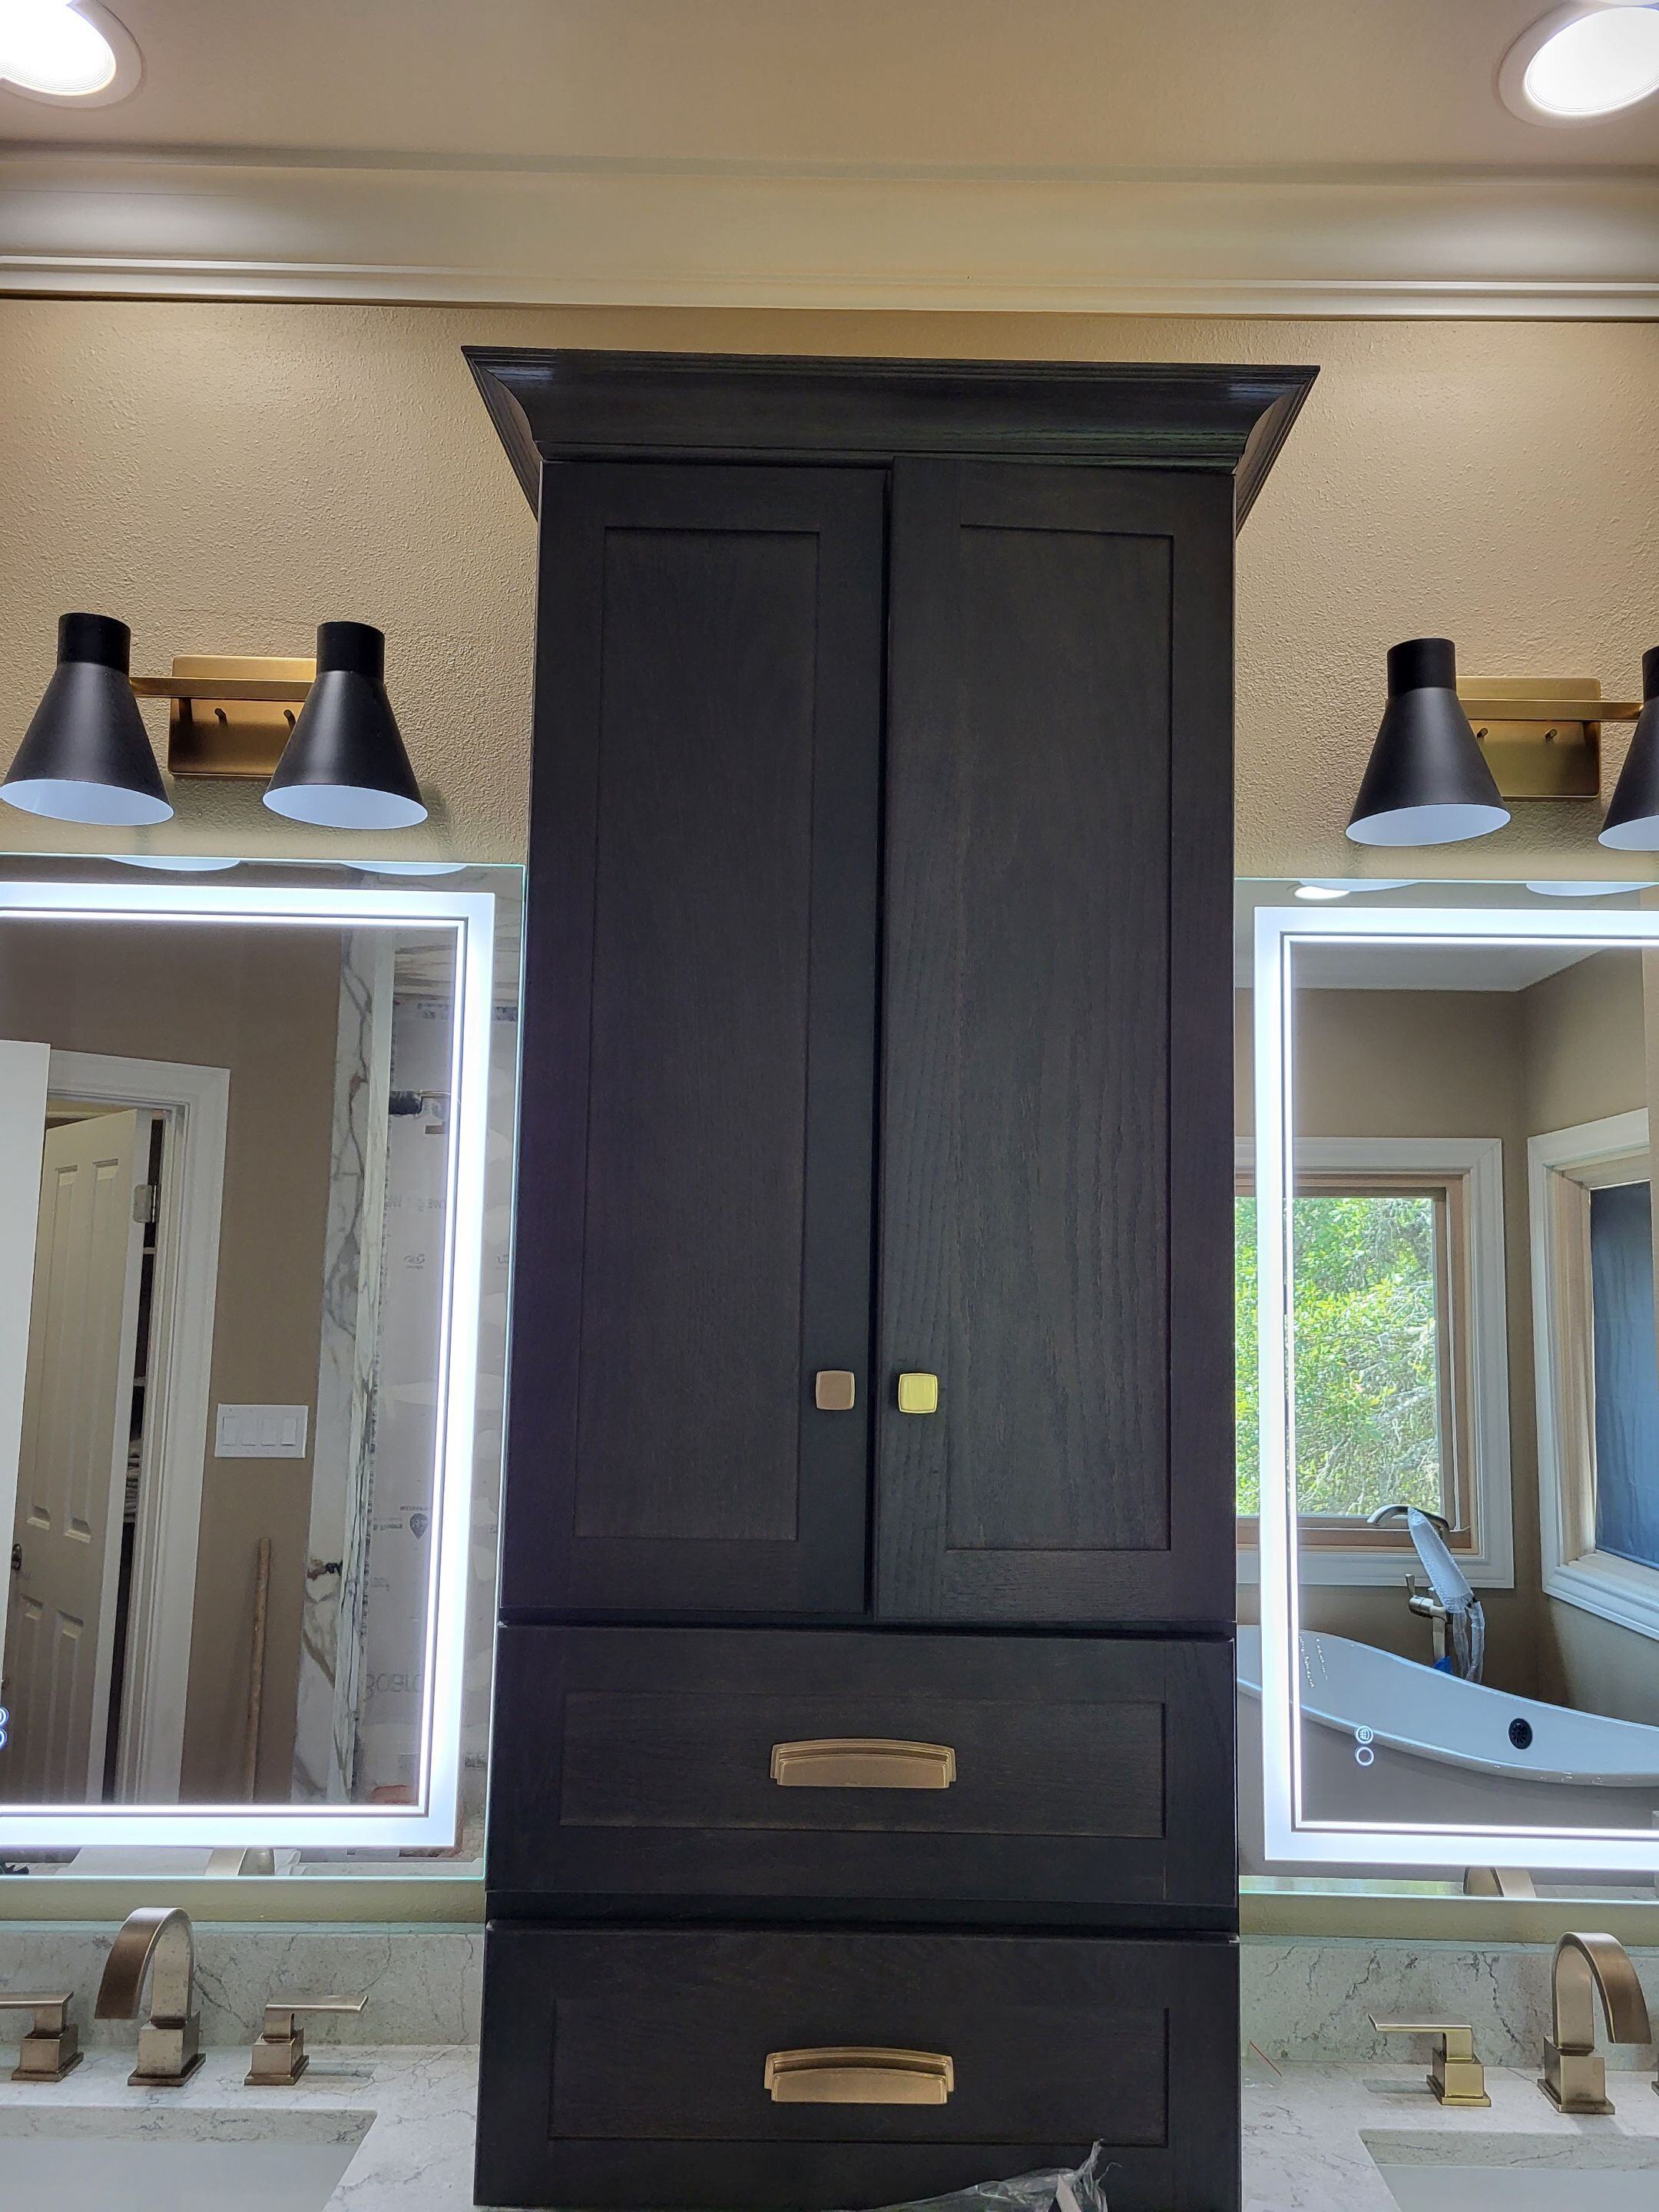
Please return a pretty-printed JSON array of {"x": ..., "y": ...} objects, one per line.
[{"x": 1310, "y": 2131}]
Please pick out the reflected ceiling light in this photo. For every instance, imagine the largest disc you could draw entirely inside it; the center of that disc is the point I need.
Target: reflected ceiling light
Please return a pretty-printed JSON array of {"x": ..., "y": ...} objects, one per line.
[
  {"x": 345, "y": 767},
  {"x": 66, "y": 50},
  {"x": 1321, "y": 890},
  {"x": 1581, "y": 61},
  {"x": 85, "y": 756},
  {"x": 1583, "y": 890},
  {"x": 1632, "y": 823},
  {"x": 1426, "y": 782}
]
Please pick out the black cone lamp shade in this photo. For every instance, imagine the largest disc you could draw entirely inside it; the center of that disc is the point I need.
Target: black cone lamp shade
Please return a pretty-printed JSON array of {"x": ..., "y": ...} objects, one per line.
[
  {"x": 344, "y": 766},
  {"x": 1426, "y": 783},
  {"x": 85, "y": 756},
  {"x": 1632, "y": 823}
]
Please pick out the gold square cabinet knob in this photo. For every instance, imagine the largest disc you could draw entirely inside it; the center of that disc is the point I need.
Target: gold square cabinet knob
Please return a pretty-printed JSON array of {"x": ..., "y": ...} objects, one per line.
[
  {"x": 835, "y": 1391},
  {"x": 918, "y": 1393}
]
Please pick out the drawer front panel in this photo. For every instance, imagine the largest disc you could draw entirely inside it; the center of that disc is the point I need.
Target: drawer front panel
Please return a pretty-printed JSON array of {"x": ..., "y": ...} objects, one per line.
[
  {"x": 1082, "y": 1773},
  {"x": 629, "y": 2067}
]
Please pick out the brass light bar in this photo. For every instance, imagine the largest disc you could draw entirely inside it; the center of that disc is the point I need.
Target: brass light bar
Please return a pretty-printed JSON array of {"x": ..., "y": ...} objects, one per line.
[
  {"x": 1542, "y": 736},
  {"x": 232, "y": 713}
]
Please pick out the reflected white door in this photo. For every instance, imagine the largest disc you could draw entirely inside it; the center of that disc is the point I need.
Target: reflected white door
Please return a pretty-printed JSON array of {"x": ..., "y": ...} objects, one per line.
[
  {"x": 72, "y": 1467},
  {"x": 24, "y": 1069}
]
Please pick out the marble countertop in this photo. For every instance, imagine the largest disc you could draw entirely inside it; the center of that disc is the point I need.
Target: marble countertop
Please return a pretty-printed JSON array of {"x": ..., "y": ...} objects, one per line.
[
  {"x": 1312, "y": 2134},
  {"x": 412, "y": 2106}
]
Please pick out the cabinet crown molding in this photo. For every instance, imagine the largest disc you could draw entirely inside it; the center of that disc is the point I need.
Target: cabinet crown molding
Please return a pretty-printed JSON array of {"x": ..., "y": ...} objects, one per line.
[{"x": 566, "y": 403}]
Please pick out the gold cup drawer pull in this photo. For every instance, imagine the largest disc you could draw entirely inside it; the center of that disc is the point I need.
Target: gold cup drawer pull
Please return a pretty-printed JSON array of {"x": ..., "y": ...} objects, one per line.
[
  {"x": 853, "y": 2076},
  {"x": 862, "y": 1762}
]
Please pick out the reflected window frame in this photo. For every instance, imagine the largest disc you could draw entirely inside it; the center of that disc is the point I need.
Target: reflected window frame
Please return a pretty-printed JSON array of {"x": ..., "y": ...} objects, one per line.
[
  {"x": 1465, "y": 1175},
  {"x": 1564, "y": 1167}
]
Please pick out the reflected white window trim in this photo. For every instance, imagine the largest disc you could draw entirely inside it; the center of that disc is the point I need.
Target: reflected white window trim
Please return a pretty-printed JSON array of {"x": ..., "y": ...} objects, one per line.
[
  {"x": 1477, "y": 1162},
  {"x": 1564, "y": 1166},
  {"x": 431, "y": 1820},
  {"x": 1289, "y": 1833}
]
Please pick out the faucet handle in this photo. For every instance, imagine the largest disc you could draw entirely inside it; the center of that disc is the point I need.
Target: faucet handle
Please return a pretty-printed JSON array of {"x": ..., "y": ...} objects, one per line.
[
  {"x": 51, "y": 2047},
  {"x": 279, "y": 2054},
  {"x": 1455, "y": 2075}
]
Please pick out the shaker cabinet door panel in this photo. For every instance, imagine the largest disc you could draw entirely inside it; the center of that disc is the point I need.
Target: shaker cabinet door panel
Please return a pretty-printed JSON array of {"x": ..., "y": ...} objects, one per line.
[
  {"x": 693, "y": 1239},
  {"x": 1056, "y": 1128}
]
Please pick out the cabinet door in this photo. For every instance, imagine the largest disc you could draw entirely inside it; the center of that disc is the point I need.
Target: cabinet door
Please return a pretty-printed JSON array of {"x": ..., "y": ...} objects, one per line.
[
  {"x": 694, "y": 1225},
  {"x": 1055, "y": 1230}
]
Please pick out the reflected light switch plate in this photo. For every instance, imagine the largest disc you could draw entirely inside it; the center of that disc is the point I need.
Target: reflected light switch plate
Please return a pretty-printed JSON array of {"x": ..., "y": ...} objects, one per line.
[{"x": 260, "y": 1432}]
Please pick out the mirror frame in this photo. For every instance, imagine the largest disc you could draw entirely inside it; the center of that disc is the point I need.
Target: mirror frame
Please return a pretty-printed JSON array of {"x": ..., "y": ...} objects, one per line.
[
  {"x": 1290, "y": 1834},
  {"x": 431, "y": 1820}
]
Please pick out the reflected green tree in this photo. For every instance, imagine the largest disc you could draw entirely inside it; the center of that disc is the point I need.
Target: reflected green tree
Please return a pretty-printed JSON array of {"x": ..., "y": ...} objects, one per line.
[{"x": 1367, "y": 1352}]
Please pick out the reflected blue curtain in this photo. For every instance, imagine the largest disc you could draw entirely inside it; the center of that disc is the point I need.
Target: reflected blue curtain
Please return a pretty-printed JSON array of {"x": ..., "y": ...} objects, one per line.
[{"x": 1627, "y": 1373}]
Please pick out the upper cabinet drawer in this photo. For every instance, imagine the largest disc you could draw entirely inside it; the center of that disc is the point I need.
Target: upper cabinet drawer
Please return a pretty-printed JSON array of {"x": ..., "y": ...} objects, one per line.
[
  {"x": 1050, "y": 1776},
  {"x": 695, "y": 1172},
  {"x": 1055, "y": 1183}
]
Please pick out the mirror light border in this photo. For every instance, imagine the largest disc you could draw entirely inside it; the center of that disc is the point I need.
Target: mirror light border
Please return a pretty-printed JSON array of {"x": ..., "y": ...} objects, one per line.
[
  {"x": 431, "y": 1820},
  {"x": 1290, "y": 1834}
]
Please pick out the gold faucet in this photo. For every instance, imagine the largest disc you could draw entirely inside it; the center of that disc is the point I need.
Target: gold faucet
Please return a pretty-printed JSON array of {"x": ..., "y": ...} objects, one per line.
[
  {"x": 170, "y": 2040},
  {"x": 1575, "y": 2076}
]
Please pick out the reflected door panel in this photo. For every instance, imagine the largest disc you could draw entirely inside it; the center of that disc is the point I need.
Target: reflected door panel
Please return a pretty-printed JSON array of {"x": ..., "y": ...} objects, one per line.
[{"x": 71, "y": 1476}]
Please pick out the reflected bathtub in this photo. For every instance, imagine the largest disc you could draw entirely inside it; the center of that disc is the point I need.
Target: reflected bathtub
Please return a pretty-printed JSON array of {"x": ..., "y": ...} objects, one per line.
[{"x": 1441, "y": 1751}]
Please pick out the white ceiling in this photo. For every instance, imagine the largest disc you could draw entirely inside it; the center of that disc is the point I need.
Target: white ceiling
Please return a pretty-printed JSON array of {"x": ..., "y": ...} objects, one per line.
[
  {"x": 1042, "y": 84},
  {"x": 1258, "y": 157}
]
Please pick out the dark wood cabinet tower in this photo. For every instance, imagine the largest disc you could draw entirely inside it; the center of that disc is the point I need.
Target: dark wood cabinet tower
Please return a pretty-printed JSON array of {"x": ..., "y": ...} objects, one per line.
[{"x": 861, "y": 1801}]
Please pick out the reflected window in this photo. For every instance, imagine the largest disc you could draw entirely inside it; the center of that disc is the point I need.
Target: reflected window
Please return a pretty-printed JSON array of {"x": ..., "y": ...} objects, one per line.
[
  {"x": 1627, "y": 1373},
  {"x": 1381, "y": 1353}
]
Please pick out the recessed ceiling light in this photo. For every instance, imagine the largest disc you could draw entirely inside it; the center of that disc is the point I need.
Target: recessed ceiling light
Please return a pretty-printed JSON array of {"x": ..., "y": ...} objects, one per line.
[
  {"x": 1581, "y": 61},
  {"x": 64, "y": 50}
]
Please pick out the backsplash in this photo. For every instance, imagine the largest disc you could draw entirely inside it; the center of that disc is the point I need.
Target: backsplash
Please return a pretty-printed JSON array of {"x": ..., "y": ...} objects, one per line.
[
  {"x": 423, "y": 1984},
  {"x": 1308, "y": 2000}
]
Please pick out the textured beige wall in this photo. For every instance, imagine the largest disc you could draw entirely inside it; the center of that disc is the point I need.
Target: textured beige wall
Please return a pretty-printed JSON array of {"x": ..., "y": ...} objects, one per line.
[
  {"x": 265, "y": 1004},
  {"x": 225, "y": 476}
]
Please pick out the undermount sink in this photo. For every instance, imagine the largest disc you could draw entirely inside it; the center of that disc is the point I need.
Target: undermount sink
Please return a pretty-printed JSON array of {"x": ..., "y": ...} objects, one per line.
[
  {"x": 85, "y": 2160},
  {"x": 1518, "y": 2173}
]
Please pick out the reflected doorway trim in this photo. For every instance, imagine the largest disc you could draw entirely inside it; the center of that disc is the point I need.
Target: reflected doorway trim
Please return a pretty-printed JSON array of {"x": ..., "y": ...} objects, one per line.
[
  {"x": 1290, "y": 1832},
  {"x": 194, "y": 1105},
  {"x": 1564, "y": 1166}
]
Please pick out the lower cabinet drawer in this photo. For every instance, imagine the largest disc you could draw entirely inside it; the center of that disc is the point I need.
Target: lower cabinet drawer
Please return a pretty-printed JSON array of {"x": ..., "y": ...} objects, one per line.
[
  {"x": 1030, "y": 1777},
  {"x": 699, "y": 2068}
]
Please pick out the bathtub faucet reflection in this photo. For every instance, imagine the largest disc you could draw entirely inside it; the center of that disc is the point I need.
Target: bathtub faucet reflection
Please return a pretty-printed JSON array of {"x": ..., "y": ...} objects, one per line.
[{"x": 1460, "y": 1625}]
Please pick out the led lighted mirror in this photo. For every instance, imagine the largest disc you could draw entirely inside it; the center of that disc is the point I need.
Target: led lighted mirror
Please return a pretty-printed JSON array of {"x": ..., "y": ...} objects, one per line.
[
  {"x": 1449, "y": 1381},
  {"x": 255, "y": 1144}
]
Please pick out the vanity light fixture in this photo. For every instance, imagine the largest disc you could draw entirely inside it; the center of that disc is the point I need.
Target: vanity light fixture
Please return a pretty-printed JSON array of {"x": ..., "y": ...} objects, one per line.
[
  {"x": 322, "y": 732},
  {"x": 345, "y": 767},
  {"x": 1632, "y": 823},
  {"x": 1581, "y": 61},
  {"x": 1426, "y": 782},
  {"x": 86, "y": 755},
  {"x": 66, "y": 51}
]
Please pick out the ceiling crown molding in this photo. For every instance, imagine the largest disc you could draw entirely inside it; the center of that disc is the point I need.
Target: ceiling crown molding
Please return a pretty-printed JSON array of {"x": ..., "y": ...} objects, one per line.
[{"x": 265, "y": 226}]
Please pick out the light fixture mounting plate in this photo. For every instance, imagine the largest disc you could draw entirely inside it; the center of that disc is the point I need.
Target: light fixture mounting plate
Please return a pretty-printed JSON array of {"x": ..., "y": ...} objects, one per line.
[
  {"x": 239, "y": 731},
  {"x": 1539, "y": 735}
]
